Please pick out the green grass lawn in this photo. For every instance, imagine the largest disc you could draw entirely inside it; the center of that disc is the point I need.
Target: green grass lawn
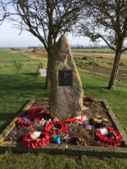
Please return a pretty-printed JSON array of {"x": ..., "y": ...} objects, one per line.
[
  {"x": 17, "y": 89},
  {"x": 93, "y": 50}
]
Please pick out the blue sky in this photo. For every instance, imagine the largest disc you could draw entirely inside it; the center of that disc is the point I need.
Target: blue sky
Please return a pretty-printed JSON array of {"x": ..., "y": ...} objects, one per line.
[{"x": 9, "y": 37}]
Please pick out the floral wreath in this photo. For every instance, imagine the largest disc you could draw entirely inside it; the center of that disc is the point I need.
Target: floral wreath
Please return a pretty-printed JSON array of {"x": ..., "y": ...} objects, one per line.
[
  {"x": 63, "y": 127},
  {"x": 113, "y": 141},
  {"x": 35, "y": 110},
  {"x": 33, "y": 115},
  {"x": 45, "y": 136},
  {"x": 36, "y": 143}
]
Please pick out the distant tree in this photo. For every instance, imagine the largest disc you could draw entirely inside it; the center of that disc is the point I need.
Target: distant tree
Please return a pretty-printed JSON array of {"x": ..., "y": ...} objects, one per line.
[
  {"x": 82, "y": 47},
  {"x": 106, "y": 19},
  {"x": 47, "y": 20},
  {"x": 13, "y": 49}
]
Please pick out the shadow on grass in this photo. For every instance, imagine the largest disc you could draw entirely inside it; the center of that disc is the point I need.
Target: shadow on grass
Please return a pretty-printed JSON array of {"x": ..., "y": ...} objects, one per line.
[
  {"x": 30, "y": 74},
  {"x": 25, "y": 56},
  {"x": 8, "y": 120},
  {"x": 9, "y": 117},
  {"x": 21, "y": 82},
  {"x": 94, "y": 87},
  {"x": 16, "y": 90}
]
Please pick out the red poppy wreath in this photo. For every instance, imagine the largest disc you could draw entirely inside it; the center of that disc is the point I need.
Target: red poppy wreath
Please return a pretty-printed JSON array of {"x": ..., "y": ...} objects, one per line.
[
  {"x": 59, "y": 124},
  {"x": 33, "y": 115},
  {"x": 42, "y": 141},
  {"x": 113, "y": 141}
]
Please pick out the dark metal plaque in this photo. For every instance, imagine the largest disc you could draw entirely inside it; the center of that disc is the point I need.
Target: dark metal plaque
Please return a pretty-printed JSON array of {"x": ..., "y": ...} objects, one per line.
[{"x": 65, "y": 78}]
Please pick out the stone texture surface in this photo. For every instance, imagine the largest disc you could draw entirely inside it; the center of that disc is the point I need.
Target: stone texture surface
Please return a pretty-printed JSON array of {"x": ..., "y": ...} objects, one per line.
[
  {"x": 42, "y": 65},
  {"x": 65, "y": 101}
]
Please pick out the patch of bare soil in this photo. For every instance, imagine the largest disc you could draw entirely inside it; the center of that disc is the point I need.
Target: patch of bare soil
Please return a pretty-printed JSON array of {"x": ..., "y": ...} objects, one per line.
[
  {"x": 32, "y": 57},
  {"x": 106, "y": 70},
  {"x": 98, "y": 54},
  {"x": 37, "y": 50},
  {"x": 34, "y": 53},
  {"x": 122, "y": 74}
]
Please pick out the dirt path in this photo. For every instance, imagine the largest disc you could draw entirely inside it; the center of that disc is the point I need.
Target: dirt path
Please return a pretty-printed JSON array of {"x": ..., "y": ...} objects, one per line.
[
  {"x": 106, "y": 70},
  {"x": 122, "y": 74},
  {"x": 97, "y": 54}
]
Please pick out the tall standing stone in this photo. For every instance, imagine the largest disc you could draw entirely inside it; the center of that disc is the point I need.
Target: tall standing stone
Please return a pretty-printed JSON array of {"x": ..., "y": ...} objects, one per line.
[{"x": 66, "y": 97}]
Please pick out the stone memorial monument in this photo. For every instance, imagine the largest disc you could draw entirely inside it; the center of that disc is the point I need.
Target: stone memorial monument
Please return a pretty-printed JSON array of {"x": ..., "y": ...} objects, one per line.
[
  {"x": 66, "y": 97},
  {"x": 42, "y": 69}
]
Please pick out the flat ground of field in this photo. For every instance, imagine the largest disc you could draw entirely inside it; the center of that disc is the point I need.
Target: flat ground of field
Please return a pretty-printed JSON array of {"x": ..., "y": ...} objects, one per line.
[
  {"x": 124, "y": 55},
  {"x": 100, "y": 61},
  {"x": 17, "y": 89},
  {"x": 94, "y": 60}
]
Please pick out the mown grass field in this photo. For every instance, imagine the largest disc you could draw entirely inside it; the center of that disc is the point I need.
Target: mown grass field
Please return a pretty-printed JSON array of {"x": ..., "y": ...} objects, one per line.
[
  {"x": 17, "y": 89},
  {"x": 94, "y": 50}
]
